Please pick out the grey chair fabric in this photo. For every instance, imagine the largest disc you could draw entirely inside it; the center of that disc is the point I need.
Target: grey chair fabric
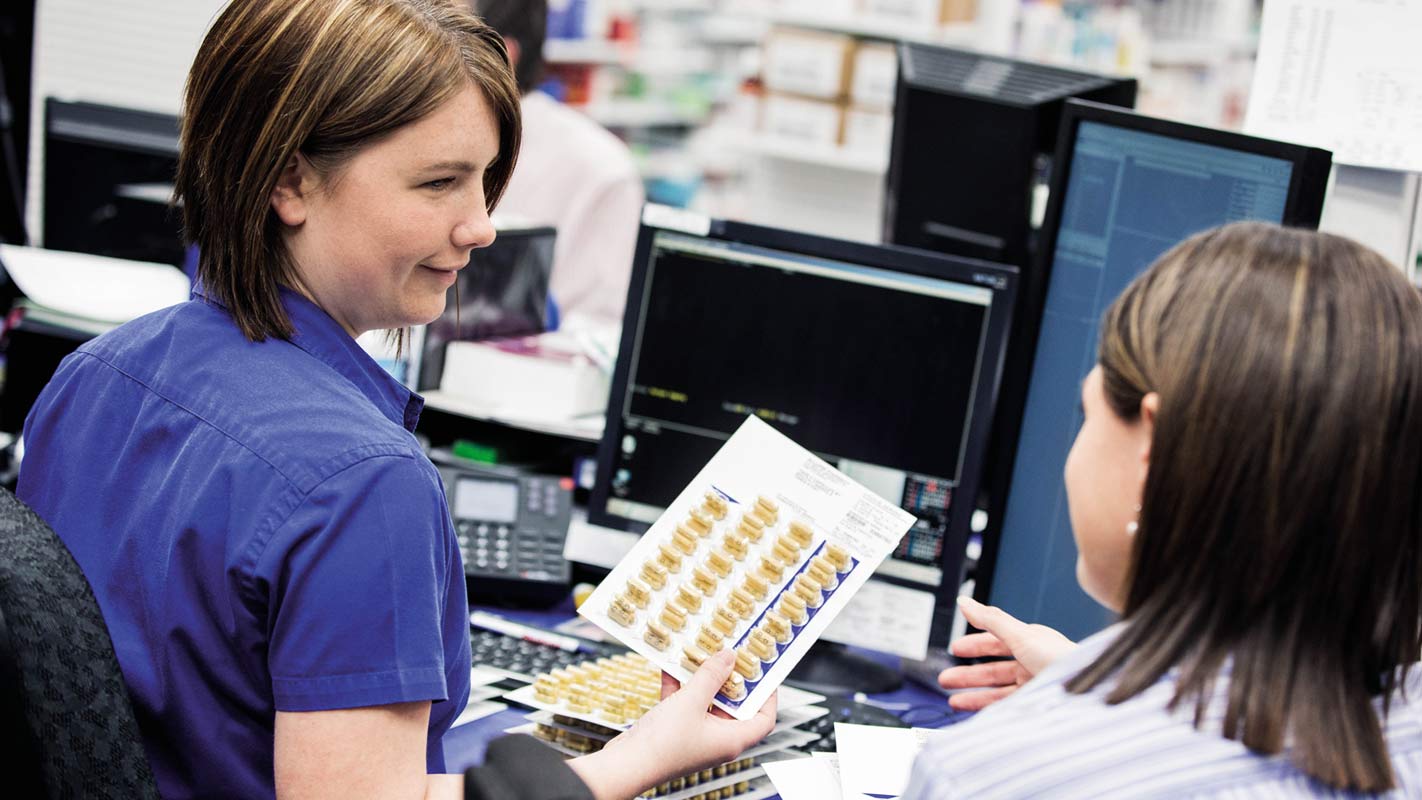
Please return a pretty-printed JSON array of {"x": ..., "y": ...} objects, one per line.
[{"x": 65, "y": 701}]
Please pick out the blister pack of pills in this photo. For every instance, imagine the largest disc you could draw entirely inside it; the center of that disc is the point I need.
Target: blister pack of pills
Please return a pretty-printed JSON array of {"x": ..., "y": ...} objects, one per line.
[{"x": 758, "y": 554}]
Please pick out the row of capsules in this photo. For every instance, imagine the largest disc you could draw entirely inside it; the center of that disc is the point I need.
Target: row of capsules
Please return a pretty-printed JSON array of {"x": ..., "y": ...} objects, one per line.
[
  {"x": 757, "y": 576},
  {"x": 618, "y": 689},
  {"x": 695, "y": 779}
]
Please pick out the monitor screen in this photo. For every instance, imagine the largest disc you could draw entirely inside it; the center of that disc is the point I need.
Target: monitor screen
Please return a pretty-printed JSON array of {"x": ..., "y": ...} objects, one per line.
[
  {"x": 502, "y": 293},
  {"x": 1134, "y": 187},
  {"x": 881, "y": 361}
]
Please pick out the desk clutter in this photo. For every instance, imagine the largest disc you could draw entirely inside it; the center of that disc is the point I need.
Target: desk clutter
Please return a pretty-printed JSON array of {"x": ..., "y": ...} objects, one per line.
[
  {"x": 577, "y": 709},
  {"x": 757, "y": 554}
]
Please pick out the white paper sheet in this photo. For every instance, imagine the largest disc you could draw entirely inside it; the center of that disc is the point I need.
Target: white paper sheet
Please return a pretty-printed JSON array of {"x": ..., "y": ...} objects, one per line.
[
  {"x": 477, "y": 711},
  {"x": 805, "y": 778},
  {"x": 1343, "y": 75},
  {"x": 759, "y": 460},
  {"x": 108, "y": 290},
  {"x": 888, "y": 618},
  {"x": 877, "y": 760}
]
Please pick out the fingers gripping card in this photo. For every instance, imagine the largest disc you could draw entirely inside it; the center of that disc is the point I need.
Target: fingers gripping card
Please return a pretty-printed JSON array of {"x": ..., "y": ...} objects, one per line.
[{"x": 757, "y": 555}]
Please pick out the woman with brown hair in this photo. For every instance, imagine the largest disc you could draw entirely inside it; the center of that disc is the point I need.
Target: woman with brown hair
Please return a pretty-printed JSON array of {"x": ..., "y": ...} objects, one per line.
[
  {"x": 1244, "y": 492},
  {"x": 239, "y": 481}
]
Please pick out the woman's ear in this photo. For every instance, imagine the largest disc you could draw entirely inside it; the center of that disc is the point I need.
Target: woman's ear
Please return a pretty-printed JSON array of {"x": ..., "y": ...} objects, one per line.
[
  {"x": 1150, "y": 406},
  {"x": 291, "y": 195}
]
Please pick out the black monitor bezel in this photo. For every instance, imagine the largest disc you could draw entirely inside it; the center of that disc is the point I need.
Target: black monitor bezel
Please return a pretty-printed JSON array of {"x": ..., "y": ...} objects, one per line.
[
  {"x": 1303, "y": 207},
  {"x": 1001, "y": 279}
]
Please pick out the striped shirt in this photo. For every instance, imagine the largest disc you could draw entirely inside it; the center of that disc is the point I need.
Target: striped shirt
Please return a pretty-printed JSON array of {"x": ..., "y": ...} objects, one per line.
[{"x": 1045, "y": 742}]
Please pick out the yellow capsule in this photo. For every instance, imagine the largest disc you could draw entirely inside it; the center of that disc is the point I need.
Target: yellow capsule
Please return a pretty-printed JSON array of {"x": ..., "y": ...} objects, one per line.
[
  {"x": 793, "y": 608},
  {"x": 668, "y": 557},
  {"x": 764, "y": 517},
  {"x": 621, "y": 611},
  {"x": 808, "y": 589},
  {"x": 692, "y": 657},
  {"x": 750, "y": 520},
  {"x": 768, "y": 504},
  {"x": 702, "y": 579},
  {"x": 656, "y": 635},
  {"x": 740, "y": 603},
  {"x": 755, "y": 586},
  {"x": 716, "y": 505},
  {"x": 709, "y": 639},
  {"x": 801, "y": 533},
  {"x": 752, "y": 534},
  {"x": 720, "y": 562},
  {"x": 772, "y": 568},
  {"x": 699, "y": 521},
  {"x": 823, "y": 571},
  {"x": 725, "y": 621},
  {"x": 655, "y": 575},
  {"x": 735, "y": 687},
  {"x": 735, "y": 544},
  {"x": 684, "y": 540},
  {"x": 839, "y": 557},
  {"x": 762, "y": 643},
  {"x": 672, "y": 617},
  {"x": 638, "y": 592},
  {"x": 688, "y": 598},
  {"x": 785, "y": 551},
  {"x": 748, "y": 665}
]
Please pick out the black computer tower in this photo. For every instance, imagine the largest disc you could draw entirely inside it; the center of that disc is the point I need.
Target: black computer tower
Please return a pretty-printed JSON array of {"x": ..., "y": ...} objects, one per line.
[{"x": 973, "y": 135}]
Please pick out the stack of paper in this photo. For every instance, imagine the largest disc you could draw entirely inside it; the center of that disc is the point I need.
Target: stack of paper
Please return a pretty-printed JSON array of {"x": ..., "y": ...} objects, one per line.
[{"x": 871, "y": 762}]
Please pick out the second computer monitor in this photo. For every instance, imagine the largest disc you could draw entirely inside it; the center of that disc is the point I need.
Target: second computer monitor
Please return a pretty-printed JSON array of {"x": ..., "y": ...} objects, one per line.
[
  {"x": 881, "y": 360},
  {"x": 1127, "y": 188}
]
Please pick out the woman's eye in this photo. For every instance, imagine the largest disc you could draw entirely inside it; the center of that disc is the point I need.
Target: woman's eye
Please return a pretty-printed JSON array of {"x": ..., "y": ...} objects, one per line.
[{"x": 439, "y": 183}]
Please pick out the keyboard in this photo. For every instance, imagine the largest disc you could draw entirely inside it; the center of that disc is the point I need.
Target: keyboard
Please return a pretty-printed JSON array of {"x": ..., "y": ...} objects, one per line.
[
  {"x": 843, "y": 709},
  {"x": 525, "y": 659}
]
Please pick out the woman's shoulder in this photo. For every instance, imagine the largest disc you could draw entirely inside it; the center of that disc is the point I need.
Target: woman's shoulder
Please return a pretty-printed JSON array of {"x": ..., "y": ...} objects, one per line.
[{"x": 1046, "y": 741}]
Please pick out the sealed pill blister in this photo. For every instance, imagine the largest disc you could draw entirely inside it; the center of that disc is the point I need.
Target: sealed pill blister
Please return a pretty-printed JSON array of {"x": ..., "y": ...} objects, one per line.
[{"x": 757, "y": 555}]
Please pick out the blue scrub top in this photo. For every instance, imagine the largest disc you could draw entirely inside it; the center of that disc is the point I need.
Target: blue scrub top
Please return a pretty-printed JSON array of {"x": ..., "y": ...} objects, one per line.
[{"x": 261, "y": 529}]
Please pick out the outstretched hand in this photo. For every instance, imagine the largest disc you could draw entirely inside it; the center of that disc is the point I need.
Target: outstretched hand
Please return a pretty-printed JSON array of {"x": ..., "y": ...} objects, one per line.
[
  {"x": 1030, "y": 649},
  {"x": 679, "y": 735}
]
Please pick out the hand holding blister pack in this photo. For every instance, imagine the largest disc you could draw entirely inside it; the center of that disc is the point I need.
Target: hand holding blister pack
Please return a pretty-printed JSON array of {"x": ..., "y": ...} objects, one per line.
[{"x": 757, "y": 555}]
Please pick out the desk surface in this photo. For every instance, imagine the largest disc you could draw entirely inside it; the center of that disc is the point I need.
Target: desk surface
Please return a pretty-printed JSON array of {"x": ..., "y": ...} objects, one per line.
[{"x": 464, "y": 746}]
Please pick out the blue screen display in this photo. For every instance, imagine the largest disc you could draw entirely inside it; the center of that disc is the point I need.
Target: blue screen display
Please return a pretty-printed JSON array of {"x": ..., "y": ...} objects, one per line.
[{"x": 1131, "y": 196}]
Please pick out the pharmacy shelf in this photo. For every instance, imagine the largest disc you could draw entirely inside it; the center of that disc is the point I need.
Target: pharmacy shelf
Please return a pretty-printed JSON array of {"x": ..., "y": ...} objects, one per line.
[
  {"x": 586, "y": 51},
  {"x": 1196, "y": 52},
  {"x": 819, "y": 155},
  {"x": 641, "y": 114},
  {"x": 960, "y": 34}
]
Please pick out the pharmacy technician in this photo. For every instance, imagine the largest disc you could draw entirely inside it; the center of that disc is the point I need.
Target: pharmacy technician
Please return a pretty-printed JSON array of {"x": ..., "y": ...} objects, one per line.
[
  {"x": 1243, "y": 492},
  {"x": 239, "y": 481}
]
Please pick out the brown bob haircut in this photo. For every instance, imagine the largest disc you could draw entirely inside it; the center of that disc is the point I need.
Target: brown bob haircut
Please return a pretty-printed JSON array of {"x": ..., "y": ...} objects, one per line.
[
  {"x": 1280, "y": 532},
  {"x": 323, "y": 78}
]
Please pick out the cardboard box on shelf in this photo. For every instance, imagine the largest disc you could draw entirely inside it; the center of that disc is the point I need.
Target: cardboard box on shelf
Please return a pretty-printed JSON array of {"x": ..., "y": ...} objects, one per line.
[
  {"x": 802, "y": 119},
  {"x": 810, "y": 63},
  {"x": 876, "y": 69},
  {"x": 868, "y": 130},
  {"x": 918, "y": 12}
]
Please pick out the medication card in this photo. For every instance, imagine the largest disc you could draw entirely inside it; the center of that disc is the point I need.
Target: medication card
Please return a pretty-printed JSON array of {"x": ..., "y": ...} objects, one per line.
[{"x": 757, "y": 555}]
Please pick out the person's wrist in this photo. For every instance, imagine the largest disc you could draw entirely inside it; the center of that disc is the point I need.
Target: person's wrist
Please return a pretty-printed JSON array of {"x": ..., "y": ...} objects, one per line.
[{"x": 612, "y": 775}]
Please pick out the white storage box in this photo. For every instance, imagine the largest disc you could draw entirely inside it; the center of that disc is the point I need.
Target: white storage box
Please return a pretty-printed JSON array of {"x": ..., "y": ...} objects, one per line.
[
  {"x": 802, "y": 120},
  {"x": 868, "y": 130},
  {"x": 876, "y": 68},
  {"x": 810, "y": 63},
  {"x": 532, "y": 377}
]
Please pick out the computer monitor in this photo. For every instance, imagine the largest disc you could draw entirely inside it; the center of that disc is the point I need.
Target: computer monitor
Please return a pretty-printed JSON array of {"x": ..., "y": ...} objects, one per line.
[
  {"x": 972, "y": 140},
  {"x": 503, "y": 292},
  {"x": 1127, "y": 188},
  {"x": 881, "y": 360},
  {"x": 108, "y": 178}
]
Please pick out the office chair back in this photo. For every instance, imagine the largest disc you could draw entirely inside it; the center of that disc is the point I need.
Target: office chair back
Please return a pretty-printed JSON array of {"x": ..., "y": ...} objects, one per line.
[{"x": 71, "y": 725}]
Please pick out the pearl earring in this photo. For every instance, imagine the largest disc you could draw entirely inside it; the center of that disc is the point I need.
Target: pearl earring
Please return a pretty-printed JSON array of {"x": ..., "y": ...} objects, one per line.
[{"x": 1134, "y": 525}]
